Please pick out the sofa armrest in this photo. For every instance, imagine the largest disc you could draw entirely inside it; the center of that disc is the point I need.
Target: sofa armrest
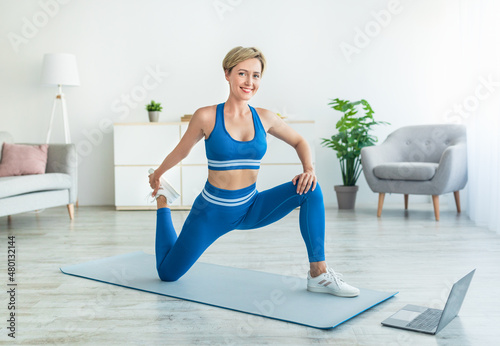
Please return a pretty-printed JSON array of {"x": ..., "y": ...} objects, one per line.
[{"x": 62, "y": 158}]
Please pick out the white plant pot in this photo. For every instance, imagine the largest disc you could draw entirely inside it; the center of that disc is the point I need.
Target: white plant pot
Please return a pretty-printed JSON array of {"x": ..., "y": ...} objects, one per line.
[{"x": 154, "y": 116}]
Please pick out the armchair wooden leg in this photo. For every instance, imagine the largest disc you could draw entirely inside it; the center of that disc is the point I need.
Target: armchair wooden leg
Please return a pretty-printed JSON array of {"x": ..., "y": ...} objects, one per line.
[
  {"x": 435, "y": 202},
  {"x": 457, "y": 201},
  {"x": 381, "y": 197},
  {"x": 406, "y": 201},
  {"x": 71, "y": 210}
]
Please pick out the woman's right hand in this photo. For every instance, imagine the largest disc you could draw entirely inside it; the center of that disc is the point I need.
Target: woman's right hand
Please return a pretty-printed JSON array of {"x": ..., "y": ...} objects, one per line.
[{"x": 154, "y": 182}]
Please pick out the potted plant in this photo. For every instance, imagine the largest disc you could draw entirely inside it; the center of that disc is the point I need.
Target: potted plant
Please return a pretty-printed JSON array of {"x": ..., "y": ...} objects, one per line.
[
  {"x": 353, "y": 135},
  {"x": 154, "y": 110}
]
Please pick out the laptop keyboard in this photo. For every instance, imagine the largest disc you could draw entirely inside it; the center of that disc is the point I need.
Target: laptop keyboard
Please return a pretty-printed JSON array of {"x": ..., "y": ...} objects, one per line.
[{"x": 427, "y": 320}]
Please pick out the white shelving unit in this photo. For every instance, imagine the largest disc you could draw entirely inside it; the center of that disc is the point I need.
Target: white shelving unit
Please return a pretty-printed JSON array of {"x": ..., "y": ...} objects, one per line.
[{"x": 140, "y": 146}]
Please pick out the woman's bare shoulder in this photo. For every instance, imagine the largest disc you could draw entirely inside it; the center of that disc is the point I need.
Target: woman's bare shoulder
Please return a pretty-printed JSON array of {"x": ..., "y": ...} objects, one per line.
[
  {"x": 268, "y": 118},
  {"x": 204, "y": 119},
  {"x": 265, "y": 112},
  {"x": 204, "y": 116},
  {"x": 205, "y": 113}
]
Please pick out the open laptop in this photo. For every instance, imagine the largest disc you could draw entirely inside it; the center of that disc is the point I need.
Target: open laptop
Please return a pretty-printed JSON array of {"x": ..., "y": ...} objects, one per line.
[{"x": 431, "y": 321}]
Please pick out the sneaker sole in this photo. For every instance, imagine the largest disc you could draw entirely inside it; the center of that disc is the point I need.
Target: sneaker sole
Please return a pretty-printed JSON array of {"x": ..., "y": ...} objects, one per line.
[
  {"x": 326, "y": 290},
  {"x": 172, "y": 193}
]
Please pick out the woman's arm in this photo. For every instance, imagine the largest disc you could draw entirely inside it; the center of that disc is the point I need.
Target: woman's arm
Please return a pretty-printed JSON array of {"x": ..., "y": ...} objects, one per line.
[
  {"x": 278, "y": 128},
  {"x": 194, "y": 132}
]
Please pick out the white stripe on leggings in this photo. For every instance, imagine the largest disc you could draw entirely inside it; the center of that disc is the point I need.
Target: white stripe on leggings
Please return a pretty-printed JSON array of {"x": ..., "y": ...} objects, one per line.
[{"x": 227, "y": 202}]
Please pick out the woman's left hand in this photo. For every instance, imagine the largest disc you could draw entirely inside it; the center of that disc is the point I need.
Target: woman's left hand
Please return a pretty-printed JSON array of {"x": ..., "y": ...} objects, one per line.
[{"x": 304, "y": 182}]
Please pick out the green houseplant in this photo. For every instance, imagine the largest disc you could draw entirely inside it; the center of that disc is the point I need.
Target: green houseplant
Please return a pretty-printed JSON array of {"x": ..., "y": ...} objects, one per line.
[
  {"x": 353, "y": 135},
  {"x": 154, "y": 110}
]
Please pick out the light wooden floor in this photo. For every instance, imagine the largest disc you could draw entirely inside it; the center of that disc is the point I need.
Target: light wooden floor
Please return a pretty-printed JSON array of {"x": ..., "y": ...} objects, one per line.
[{"x": 404, "y": 251}]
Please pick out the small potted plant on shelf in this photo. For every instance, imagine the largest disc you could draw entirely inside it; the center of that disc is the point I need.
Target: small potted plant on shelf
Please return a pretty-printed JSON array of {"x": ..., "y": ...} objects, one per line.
[
  {"x": 154, "y": 110},
  {"x": 353, "y": 134}
]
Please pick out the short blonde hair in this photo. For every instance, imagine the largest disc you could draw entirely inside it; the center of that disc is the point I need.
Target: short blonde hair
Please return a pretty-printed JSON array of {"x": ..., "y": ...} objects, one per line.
[{"x": 239, "y": 54}]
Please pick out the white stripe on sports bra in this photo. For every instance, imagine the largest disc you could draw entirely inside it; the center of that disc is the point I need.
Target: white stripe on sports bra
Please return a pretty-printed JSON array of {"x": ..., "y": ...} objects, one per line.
[{"x": 231, "y": 163}]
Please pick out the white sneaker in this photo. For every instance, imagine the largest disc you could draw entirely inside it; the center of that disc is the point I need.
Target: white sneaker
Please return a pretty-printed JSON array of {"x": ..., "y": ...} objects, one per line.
[
  {"x": 166, "y": 190},
  {"x": 332, "y": 283}
]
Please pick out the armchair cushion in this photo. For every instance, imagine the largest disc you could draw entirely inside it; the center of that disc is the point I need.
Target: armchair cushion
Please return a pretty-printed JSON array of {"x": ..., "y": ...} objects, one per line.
[{"x": 419, "y": 171}]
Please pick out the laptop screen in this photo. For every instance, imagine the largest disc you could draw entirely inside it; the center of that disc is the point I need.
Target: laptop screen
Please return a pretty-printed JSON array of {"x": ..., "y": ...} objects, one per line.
[{"x": 455, "y": 300}]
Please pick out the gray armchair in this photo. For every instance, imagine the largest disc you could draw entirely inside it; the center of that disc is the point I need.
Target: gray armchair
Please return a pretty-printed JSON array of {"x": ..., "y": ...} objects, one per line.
[{"x": 419, "y": 160}]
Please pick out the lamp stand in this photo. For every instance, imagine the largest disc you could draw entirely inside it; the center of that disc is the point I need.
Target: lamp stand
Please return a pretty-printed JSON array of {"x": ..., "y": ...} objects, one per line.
[{"x": 60, "y": 96}]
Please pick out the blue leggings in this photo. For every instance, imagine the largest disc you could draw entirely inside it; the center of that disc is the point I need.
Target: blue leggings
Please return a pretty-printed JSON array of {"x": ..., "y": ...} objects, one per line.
[{"x": 216, "y": 212}]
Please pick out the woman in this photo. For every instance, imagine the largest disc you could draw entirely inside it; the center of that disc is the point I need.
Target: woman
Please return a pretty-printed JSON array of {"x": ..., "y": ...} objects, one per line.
[{"x": 235, "y": 142}]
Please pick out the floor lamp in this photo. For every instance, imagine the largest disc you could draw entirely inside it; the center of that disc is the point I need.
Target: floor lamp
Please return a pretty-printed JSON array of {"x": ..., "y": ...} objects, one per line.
[{"x": 60, "y": 69}]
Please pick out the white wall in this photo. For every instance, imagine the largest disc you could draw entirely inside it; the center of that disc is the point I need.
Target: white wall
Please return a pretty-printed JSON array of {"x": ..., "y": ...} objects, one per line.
[{"x": 407, "y": 68}]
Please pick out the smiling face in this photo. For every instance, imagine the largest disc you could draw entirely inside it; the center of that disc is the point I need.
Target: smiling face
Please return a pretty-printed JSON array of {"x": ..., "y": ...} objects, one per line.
[{"x": 244, "y": 79}]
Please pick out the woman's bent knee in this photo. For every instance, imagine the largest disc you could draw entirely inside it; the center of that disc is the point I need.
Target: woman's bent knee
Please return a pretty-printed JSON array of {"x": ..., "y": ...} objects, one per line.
[
  {"x": 168, "y": 277},
  {"x": 316, "y": 192},
  {"x": 168, "y": 273}
]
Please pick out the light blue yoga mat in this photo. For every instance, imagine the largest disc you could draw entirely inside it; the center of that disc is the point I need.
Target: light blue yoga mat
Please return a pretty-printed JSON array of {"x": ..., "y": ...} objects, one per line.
[{"x": 270, "y": 295}]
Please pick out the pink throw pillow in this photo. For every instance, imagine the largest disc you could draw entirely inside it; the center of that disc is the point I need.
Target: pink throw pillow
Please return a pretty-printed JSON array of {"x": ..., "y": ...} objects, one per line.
[{"x": 19, "y": 159}]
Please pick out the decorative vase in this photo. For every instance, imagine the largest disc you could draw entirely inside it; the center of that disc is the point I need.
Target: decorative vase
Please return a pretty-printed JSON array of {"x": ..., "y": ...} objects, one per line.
[
  {"x": 346, "y": 196},
  {"x": 153, "y": 116}
]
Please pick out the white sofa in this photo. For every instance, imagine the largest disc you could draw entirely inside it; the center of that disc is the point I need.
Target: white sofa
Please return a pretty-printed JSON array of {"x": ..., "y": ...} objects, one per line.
[{"x": 58, "y": 186}]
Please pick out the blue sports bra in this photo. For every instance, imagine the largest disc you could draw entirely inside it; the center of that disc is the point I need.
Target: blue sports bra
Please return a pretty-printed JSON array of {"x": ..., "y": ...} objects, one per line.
[{"x": 225, "y": 153}]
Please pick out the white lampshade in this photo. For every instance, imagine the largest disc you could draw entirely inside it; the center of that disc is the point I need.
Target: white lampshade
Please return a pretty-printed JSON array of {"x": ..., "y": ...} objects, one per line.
[{"x": 60, "y": 69}]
